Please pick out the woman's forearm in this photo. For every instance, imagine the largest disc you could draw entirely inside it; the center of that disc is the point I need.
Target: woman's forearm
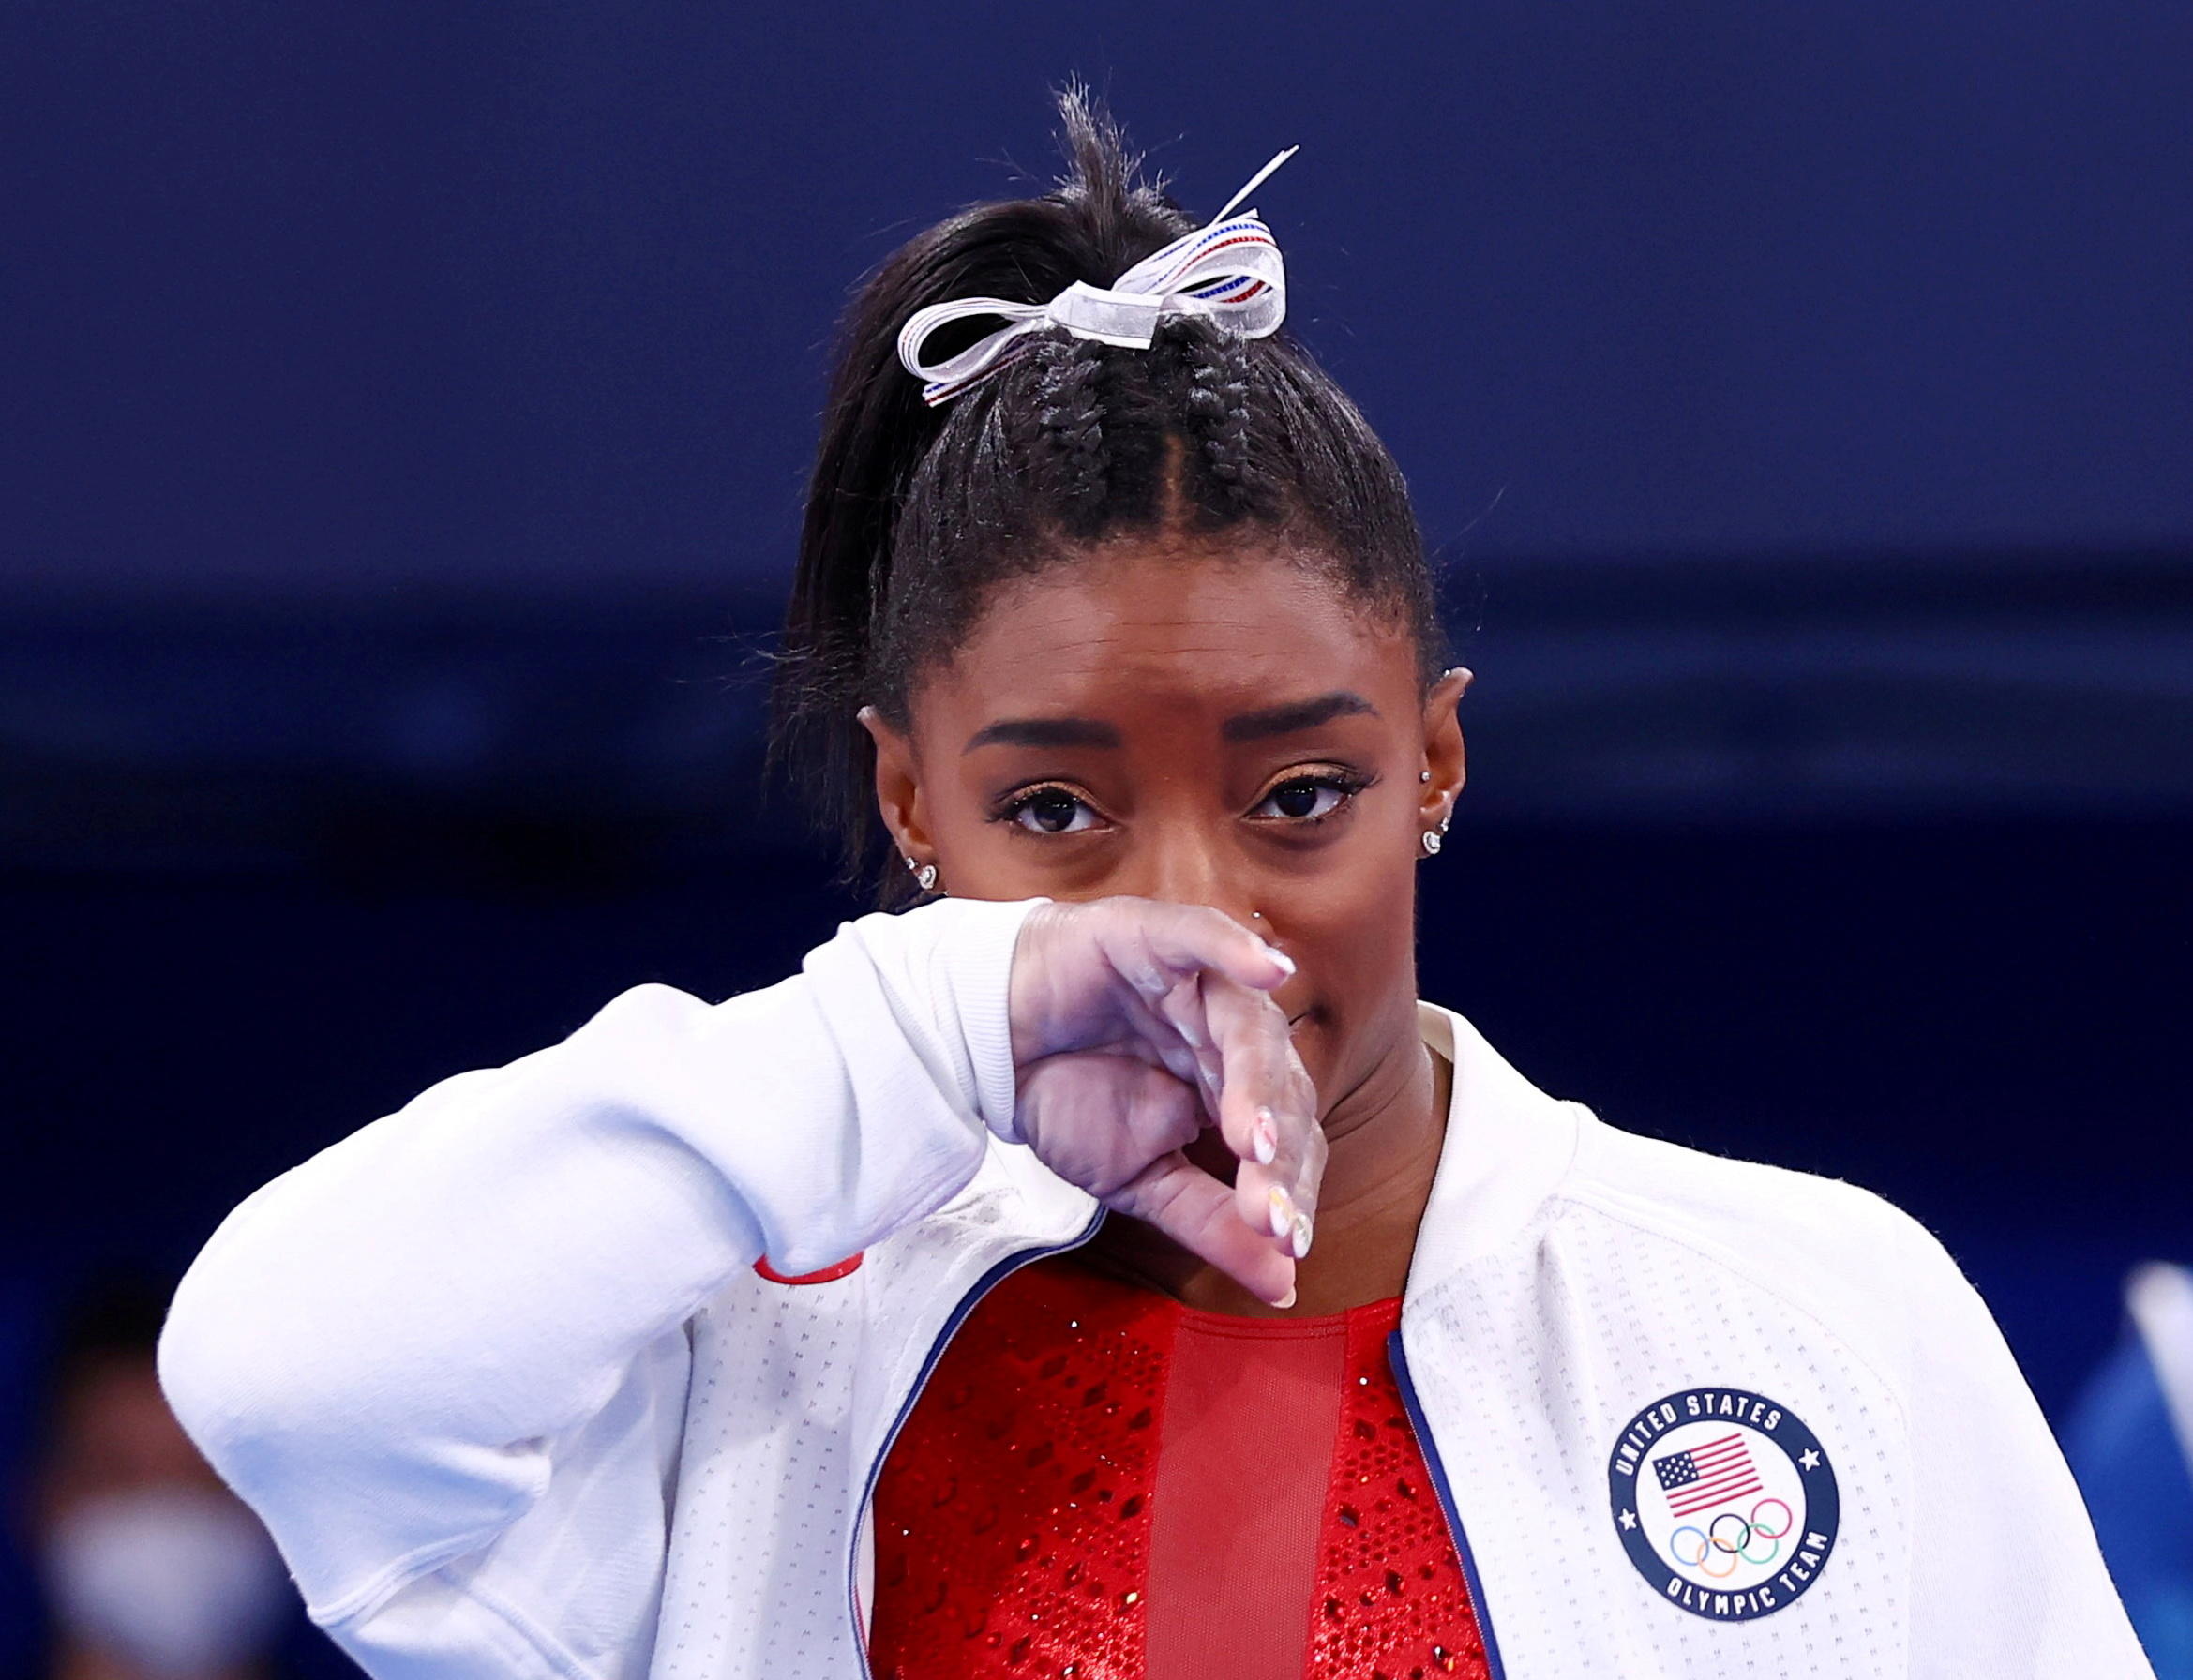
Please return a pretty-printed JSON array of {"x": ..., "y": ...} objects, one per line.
[{"x": 380, "y": 1348}]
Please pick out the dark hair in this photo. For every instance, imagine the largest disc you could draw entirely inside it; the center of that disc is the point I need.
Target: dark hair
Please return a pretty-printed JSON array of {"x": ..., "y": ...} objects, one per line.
[{"x": 914, "y": 514}]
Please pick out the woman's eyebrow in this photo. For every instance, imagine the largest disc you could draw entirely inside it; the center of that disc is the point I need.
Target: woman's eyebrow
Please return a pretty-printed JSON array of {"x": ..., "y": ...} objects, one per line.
[
  {"x": 1044, "y": 732},
  {"x": 1296, "y": 714}
]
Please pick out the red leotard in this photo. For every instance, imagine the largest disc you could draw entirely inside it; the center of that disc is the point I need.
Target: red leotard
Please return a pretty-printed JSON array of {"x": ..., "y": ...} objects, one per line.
[{"x": 1101, "y": 1484}]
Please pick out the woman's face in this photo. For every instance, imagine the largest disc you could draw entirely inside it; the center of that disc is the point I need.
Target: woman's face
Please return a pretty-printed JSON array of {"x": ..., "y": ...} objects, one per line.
[{"x": 1207, "y": 724}]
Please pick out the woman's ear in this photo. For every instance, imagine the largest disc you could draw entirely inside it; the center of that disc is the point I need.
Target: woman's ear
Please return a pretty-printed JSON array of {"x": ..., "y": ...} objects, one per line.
[
  {"x": 898, "y": 787},
  {"x": 1443, "y": 751}
]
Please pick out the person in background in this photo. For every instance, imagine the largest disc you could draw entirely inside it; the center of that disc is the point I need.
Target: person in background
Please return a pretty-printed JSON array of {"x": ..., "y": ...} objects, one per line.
[
  {"x": 2130, "y": 1442},
  {"x": 151, "y": 1569}
]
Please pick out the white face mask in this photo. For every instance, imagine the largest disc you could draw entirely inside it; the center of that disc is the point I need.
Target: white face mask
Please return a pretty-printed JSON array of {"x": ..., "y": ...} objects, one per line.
[{"x": 179, "y": 1581}]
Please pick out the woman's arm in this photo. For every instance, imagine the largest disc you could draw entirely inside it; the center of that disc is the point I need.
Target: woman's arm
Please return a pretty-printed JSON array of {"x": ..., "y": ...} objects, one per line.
[
  {"x": 378, "y": 1349},
  {"x": 388, "y": 1350}
]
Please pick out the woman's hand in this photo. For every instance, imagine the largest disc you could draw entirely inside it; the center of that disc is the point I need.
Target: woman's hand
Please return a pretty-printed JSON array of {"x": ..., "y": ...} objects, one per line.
[{"x": 1135, "y": 1024}]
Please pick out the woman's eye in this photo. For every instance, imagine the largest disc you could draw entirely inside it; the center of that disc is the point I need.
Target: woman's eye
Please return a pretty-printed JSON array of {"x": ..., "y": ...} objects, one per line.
[
  {"x": 1305, "y": 798},
  {"x": 1052, "y": 811}
]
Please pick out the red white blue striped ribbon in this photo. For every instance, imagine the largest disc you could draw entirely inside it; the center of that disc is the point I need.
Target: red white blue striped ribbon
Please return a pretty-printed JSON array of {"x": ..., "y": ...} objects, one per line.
[{"x": 1228, "y": 271}]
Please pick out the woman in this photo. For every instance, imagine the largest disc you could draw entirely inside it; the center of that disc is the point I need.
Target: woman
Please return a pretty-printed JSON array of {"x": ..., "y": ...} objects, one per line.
[{"x": 789, "y": 1335}]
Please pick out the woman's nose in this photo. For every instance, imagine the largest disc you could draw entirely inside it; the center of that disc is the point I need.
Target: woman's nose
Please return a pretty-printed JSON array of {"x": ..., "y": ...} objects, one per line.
[{"x": 1190, "y": 867}]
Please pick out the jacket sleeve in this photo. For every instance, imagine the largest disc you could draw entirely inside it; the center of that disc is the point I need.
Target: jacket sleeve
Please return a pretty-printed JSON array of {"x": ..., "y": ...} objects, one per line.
[
  {"x": 2006, "y": 1578},
  {"x": 389, "y": 1350}
]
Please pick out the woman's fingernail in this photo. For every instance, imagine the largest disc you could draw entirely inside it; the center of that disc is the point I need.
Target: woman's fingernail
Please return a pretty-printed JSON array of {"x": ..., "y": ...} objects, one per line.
[
  {"x": 1285, "y": 962},
  {"x": 1281, "y": 1207},
  {"x": 1264, "y": 1137},
  {"x": 1302, "y": 1230},
  {"x": 1285, "y": 1300}
]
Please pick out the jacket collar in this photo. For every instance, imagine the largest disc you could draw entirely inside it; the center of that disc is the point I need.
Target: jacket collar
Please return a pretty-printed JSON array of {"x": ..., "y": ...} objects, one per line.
[{"x": 1508, "y": 1147}]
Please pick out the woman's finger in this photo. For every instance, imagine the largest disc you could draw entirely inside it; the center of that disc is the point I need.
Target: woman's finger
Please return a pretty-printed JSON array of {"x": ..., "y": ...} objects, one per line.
[
  {"x": 1149, "y": 1031},
  {"x": 1164, "y": 943},
  {"x": 1268, "y": 1111},
  {"x": 1182, "y": 1009},
  {"x": 1196, "y": 1211},
  {"x": 1078, "y": 968},
  {"x": 1098, "y": 1119}
]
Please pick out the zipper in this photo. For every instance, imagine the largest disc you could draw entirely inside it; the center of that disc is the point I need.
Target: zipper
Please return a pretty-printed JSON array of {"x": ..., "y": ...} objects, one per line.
[
  {"x": 982, "y": 1286},
  {"x": 1397, "y": 1358}
]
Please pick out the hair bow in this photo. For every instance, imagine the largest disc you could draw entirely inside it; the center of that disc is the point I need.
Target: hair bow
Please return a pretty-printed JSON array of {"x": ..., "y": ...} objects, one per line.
[{"x": 1228, "y": 271}]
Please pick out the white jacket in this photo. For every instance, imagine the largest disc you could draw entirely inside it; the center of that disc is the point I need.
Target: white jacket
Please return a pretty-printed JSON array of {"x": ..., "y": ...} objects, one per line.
[{"x": 500, "y": 1376}]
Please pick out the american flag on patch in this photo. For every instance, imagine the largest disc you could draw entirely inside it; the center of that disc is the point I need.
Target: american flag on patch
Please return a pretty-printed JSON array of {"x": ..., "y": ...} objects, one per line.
[{"x": 1701, "y": 1476}]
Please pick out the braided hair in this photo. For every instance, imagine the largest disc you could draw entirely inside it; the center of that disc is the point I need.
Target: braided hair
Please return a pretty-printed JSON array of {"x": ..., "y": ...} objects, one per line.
[{"x": 915, "y": 514}]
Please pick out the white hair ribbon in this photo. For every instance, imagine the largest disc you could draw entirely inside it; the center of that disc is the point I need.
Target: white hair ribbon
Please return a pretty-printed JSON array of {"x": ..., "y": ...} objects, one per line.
[{"x": 1228, "y": 271}]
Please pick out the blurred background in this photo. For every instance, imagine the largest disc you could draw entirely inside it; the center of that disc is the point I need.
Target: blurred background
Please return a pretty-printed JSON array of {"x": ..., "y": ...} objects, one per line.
[{"x": 405, "y": 415}]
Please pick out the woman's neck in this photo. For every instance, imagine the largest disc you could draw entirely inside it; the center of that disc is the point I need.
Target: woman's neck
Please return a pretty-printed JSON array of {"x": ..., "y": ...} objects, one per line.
[{"x": 1384, "y": 1137}]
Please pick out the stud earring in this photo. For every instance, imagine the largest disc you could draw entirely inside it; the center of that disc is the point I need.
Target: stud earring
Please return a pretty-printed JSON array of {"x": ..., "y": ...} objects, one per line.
[
  {"x": 1432, "y": 843},
  {"x": 1423, "y": 775},
  {"x": 925, "y": 877}
]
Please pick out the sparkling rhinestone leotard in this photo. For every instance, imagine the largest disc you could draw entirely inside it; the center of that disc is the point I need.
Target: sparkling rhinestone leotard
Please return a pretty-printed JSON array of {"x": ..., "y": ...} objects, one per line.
[{"x": 1099, "y": 1484}]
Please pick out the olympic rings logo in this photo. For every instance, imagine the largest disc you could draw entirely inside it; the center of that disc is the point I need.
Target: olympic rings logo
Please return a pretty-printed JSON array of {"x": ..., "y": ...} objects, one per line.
[{"x": 1731, "y": 1536}]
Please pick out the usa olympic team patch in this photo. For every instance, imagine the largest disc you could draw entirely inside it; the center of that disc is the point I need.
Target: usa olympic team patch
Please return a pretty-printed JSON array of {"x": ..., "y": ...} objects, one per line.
[{"x": 1725, "y": 1501}]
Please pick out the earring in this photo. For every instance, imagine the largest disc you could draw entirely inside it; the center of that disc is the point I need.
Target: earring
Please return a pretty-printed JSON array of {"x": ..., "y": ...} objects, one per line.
[
  {"x": 925, "y": 877},
  {"x": 1423, "y": 775},
  {"x": 1432, "y": 843}
]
